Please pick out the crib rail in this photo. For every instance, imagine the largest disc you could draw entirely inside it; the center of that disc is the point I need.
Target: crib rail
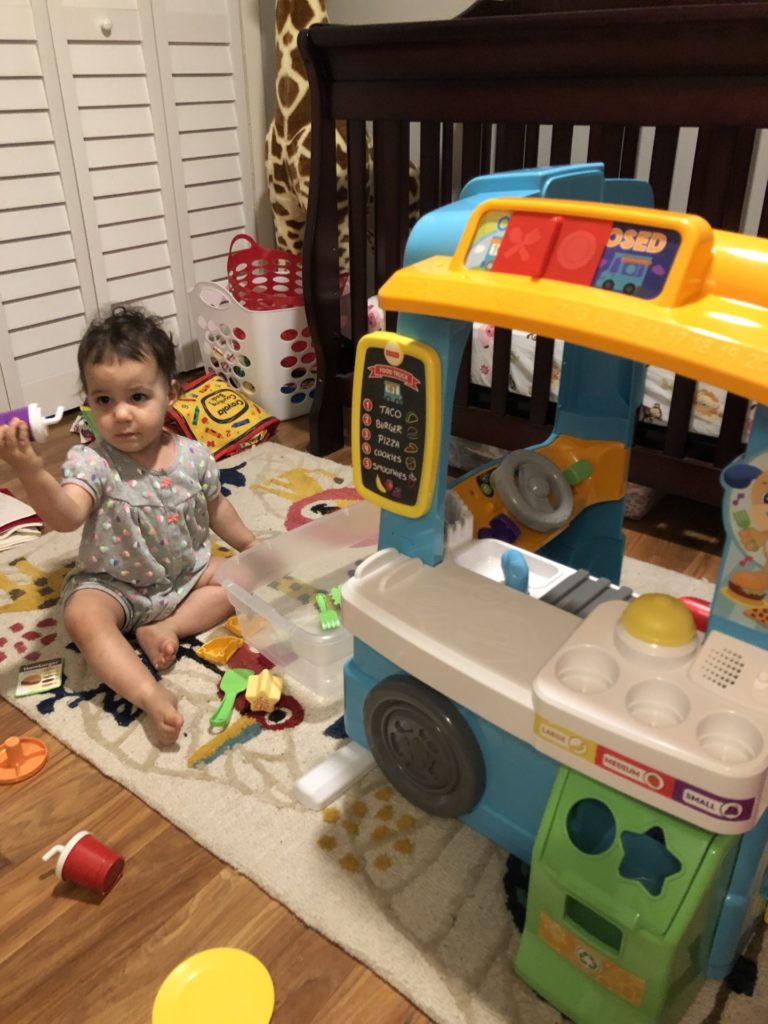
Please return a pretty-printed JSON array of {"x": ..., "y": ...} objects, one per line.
[{"x": 676, "y": 94}]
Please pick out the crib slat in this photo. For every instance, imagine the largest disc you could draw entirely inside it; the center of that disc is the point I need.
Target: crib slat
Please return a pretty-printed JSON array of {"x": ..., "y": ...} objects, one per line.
[
  {"x": 502, "y": 347},
  {"x": 605, "y": 143},
  {"x": 429, "y": 172},
  {"x": 629, "y": 146},
  {"x": 510, "y": 146},
  {"x": 390, "y": 201},
  {"x": 531, "y": 152},
  {"x": 562, "y": 138},
  {"x": 487, "y": 155},
  {"x": 446, "y": 170},
  {"x": 762, "y": 229},
  {"x": 738, "y": 180},
  {"x": 542, "y": 378},
  {"x": 475, "y": 150},
  {"x": 663, "y": 164},
  {"x": 403, "y": 181},
  {"x": 676, "y": 435},
  {"x": 390, "y": 196},
  {"x": 463, "y": 379},
  {"x": 471, "y": 146},
  {"x": 321, "y": 286},
  {"x": 358, "y": 204},
  {"x": 720, "y": 175},
  {"x": 729, "y": 443}
]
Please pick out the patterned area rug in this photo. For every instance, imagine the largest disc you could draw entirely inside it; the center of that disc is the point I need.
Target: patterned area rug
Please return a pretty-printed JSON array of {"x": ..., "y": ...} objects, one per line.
[{"x": 420, "y": 900}]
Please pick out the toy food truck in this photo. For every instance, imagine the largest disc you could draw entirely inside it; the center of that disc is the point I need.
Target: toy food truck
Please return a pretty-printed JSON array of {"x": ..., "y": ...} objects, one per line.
[{"x": 595, "y": 734}]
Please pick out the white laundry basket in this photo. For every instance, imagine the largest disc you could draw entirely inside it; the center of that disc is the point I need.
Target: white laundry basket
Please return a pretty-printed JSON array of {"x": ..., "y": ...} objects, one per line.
[{"x": 261, "y": 345}]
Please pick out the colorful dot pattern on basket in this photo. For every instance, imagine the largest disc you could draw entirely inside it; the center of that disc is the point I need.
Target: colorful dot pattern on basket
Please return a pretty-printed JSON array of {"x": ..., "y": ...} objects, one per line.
[{"x": 255, "y": 336}]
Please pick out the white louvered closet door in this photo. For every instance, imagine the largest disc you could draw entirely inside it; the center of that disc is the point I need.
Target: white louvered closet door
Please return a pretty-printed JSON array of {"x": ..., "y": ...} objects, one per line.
[
  {"x": 45, "y": 281},
  {"x": 201, "y": 66},
  {"x": 113, "y": 101},
  {"x": 124, "y": 172}
]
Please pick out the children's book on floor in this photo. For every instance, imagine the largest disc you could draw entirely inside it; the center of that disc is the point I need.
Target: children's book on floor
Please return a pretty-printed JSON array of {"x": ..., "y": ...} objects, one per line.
[{"x": 18, "y": 521}]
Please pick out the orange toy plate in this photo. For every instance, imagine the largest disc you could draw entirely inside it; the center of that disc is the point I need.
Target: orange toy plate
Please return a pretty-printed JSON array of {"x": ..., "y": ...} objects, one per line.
[{"x": 20, "y": 758}]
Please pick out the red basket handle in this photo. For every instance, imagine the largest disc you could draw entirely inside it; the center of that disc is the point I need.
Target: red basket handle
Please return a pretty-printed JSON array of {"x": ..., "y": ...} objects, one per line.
[
  {"x": 254, "y": 249},
  {"x": 252, "y": 243},
  {"x": 246, "y": 253}
]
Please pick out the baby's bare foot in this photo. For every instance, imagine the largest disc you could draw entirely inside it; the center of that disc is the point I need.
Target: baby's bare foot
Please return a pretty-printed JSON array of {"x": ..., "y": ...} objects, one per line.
[
  {"x": 162, "y": 709},
  {"x": 159, "y": 642}
]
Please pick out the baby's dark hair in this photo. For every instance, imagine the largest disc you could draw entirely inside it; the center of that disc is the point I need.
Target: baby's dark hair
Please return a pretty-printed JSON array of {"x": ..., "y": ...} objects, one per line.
[{"x": 129, "y": 332}]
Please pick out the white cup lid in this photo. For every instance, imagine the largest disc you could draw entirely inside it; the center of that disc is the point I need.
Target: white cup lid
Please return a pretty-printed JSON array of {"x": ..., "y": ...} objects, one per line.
[{"x": 64, "y": 851}]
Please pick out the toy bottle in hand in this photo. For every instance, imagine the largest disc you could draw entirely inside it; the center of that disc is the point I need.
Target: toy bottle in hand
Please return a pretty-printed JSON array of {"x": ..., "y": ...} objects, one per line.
[{"x": 32, "y": 415}]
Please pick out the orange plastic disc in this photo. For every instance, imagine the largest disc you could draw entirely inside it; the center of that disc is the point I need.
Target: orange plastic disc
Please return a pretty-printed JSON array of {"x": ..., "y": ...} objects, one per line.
[{"x": 21, "y": 757}]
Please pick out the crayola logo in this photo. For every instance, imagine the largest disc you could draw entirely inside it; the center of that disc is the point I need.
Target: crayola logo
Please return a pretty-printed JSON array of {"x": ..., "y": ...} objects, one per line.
[
  {"x": 224, "y": 406},
  {"x": 636, "y": 239}
]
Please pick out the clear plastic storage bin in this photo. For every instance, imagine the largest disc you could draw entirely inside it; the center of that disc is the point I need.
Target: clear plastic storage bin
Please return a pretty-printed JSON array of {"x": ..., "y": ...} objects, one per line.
[{"x": 273, "y": 587}]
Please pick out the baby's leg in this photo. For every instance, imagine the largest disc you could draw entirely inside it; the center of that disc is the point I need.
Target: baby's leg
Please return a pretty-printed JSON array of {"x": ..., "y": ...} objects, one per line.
[
  {"x": 93, "y": 619},
  {"x": 204, "y": 607}
]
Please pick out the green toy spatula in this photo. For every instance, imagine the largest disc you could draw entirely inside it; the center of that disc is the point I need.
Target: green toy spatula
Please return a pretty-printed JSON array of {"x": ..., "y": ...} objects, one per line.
[{"x": 233, "y": 683}]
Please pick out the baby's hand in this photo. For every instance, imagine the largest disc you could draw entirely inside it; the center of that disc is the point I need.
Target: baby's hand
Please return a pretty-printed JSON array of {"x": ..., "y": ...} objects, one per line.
[{"x": 16, "y": 448}]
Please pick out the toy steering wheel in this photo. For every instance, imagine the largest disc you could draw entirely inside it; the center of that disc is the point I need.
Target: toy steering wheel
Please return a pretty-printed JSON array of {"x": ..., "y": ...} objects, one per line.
[{"x": 534, "y": 490}]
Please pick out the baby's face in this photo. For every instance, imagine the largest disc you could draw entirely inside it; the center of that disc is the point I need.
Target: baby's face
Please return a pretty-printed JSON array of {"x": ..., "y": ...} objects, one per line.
[{"x": 129, "y": 399}]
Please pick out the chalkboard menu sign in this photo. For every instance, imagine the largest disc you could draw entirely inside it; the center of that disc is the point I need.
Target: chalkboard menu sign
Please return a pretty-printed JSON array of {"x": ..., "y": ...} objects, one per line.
[{"x": 395, "y": 422}]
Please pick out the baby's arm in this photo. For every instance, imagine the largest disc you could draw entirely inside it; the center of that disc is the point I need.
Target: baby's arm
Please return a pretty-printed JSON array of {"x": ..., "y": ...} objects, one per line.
[
  {"x": 227, "y": 524},
  {"x": 60, "y": 508}
]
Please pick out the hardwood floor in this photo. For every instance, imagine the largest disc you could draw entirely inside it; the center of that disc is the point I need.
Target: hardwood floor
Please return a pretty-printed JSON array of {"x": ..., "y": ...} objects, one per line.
[{"x": 70, "y": 958}]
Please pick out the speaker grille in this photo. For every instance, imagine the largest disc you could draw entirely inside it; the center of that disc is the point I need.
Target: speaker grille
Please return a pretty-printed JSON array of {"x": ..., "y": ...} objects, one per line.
[{"x": 722, "y": 667}]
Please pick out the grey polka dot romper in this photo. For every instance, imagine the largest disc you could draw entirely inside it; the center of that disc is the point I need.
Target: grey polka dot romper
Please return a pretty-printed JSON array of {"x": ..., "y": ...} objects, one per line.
[{"x": 147, "y": 540}]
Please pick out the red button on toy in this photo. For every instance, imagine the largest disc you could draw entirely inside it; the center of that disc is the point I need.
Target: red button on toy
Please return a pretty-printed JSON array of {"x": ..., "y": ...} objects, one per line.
[
  {"x": 527, "y": 243},
  {"x": 578, "y": 249}
]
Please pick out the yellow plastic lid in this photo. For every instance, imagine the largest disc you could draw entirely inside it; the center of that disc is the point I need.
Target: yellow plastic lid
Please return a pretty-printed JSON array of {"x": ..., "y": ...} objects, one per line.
[
  {"x": 215, "y": 985},
  {"x": 659, "y": 619}
]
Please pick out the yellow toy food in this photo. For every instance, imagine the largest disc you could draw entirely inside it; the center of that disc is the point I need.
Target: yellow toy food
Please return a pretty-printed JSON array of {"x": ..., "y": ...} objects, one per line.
[
  {"x": 220, "y": 649},
  {"x": 263, "y": 691},
  {"x": 233, "y": 625}
]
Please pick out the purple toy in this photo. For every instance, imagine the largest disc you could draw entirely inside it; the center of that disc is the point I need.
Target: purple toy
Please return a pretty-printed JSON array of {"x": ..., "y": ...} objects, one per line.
[{"x": 32, "y": 415}]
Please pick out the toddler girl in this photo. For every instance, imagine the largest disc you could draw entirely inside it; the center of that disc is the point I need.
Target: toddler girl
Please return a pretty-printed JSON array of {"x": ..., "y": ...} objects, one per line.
[{"x": 147, "y": 499}]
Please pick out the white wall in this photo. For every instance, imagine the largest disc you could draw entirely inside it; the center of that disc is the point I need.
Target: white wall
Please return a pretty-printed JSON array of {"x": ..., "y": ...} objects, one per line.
[
  {"x": 258, "y": 89},
  {"x": 355, "y": 12}
]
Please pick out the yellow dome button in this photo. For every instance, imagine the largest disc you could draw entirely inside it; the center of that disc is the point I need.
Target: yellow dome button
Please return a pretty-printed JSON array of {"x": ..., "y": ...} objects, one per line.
[{"x": 659, "y": 619}]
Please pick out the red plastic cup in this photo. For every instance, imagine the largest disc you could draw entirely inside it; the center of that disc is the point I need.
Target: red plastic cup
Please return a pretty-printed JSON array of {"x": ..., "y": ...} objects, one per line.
[{"x": 86, "y": 861}]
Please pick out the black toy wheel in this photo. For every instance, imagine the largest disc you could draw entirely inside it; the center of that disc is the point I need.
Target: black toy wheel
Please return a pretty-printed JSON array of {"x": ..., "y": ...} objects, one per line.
[{"x": 424, "y": 746}]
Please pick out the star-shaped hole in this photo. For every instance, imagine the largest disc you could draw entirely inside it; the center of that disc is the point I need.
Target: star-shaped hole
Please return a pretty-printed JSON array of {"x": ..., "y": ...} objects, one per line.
[{"x": 647, "y": 859}]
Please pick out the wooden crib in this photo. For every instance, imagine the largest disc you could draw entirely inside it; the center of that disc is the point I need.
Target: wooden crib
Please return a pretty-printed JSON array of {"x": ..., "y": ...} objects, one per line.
[{"x": 631, "y": 87}]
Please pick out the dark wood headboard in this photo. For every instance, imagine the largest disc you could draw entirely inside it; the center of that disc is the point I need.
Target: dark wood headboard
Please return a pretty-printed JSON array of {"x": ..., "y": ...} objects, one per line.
[{"x": 473, "y": 92}]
